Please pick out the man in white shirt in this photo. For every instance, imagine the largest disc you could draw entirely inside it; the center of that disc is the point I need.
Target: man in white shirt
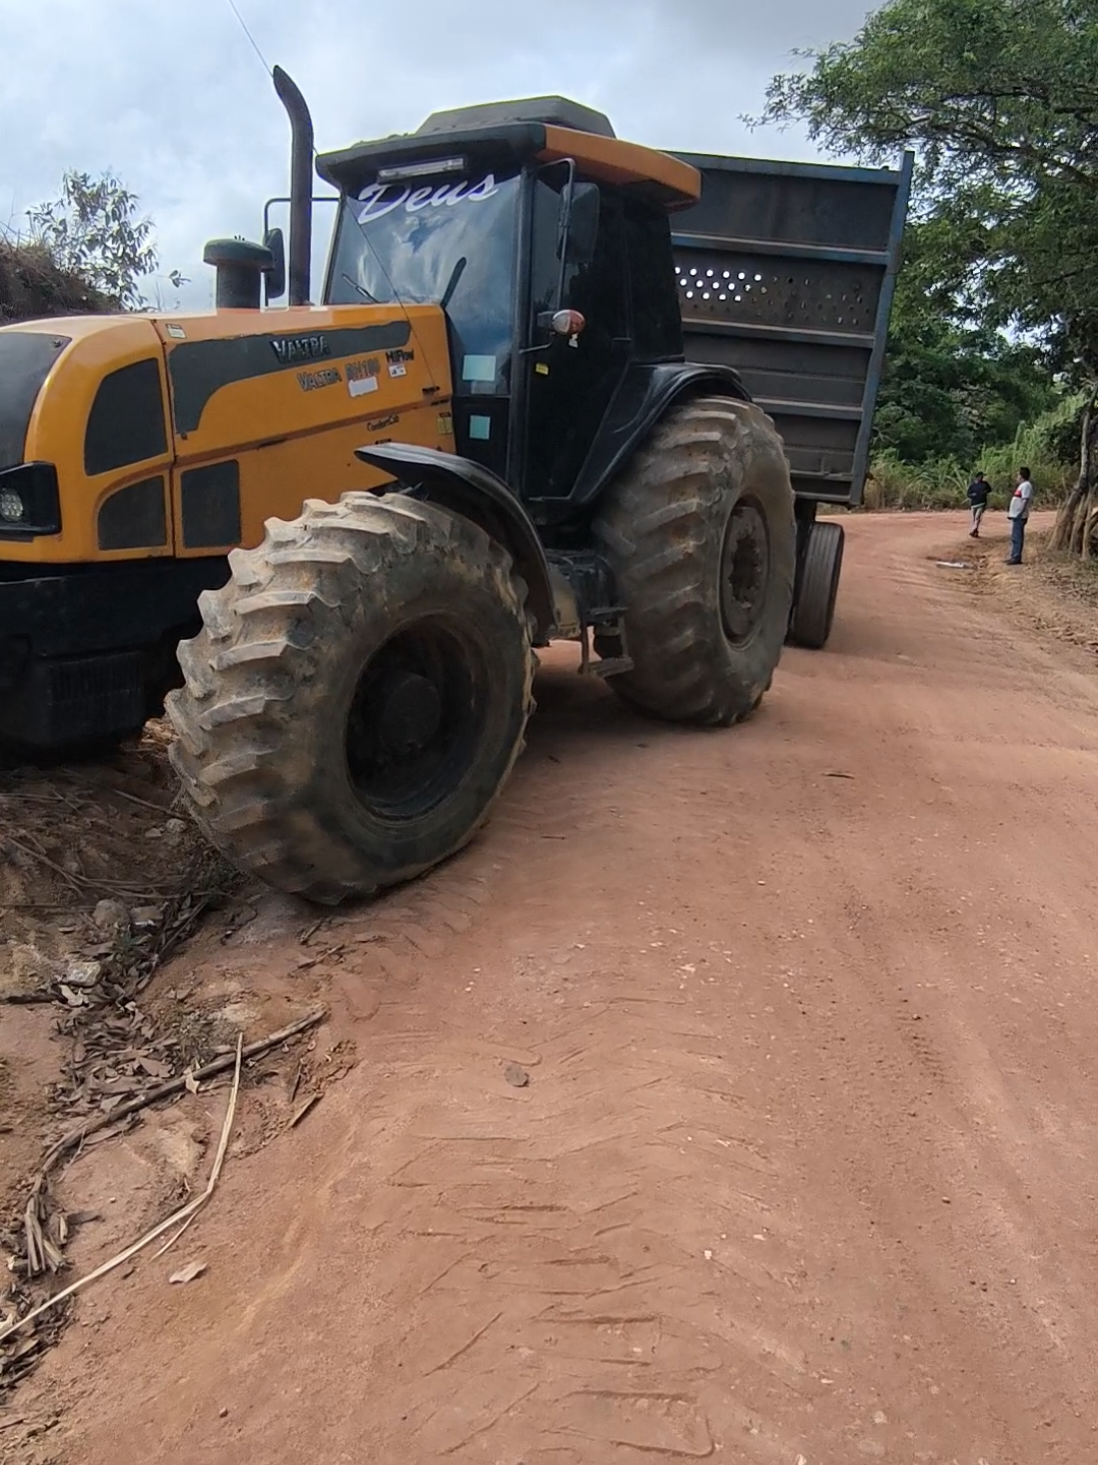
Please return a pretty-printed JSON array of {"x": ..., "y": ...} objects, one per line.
[{"x": 1018, "y": 514}]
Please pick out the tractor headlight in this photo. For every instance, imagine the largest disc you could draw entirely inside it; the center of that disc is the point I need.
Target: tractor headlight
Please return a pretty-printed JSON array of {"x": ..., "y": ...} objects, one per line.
[
  {"x": 30, "y": 501},
  {"x": 12, "y": 507}
]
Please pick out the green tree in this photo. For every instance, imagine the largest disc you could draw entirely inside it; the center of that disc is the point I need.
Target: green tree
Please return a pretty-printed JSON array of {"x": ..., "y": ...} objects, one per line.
[
  {"x": 952, "y": 386},
  {"x": 1000, "y": 100},
  {"x": 94, "y": 231}
]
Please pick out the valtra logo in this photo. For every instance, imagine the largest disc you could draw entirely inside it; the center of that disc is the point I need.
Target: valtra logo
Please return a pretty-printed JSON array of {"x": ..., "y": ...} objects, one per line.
[{"x": 292, "y": 349}]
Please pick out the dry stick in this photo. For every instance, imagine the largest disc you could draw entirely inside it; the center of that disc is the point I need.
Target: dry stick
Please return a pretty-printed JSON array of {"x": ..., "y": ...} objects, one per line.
[
  {"x": 182, "y": 1214},
  {"x": 38, "y": 905},
  {"x": 81, "y": 881},
  {"x": 308, "y": 934},
  {"x": 306, "y": 1108},
  {"x": 105, "y": 788},
  {"x": 173, "y": 1239},
  {"x": 76, "y": 884},
  {"x": 219, "y": 1159},
  {"x": 162, "y": 1091}
]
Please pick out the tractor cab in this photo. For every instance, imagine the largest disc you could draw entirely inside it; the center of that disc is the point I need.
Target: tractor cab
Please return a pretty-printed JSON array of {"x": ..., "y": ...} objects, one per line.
[{"x": 546, "y": 241}]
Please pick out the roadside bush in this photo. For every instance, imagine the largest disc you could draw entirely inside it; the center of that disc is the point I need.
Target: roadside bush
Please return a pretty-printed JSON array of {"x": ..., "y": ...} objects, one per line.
[
  {"x": 1046, "y": 446},
  {"x": 32, "y": 286}
]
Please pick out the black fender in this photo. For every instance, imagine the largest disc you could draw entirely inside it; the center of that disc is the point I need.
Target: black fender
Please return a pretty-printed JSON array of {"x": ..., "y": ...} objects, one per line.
[
  {"x": 644, "y": 396},
  {"x": 467, "y": 488}
]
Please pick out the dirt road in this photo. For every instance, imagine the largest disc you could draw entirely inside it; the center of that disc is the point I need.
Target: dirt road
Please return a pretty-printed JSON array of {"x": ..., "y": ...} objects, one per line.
[{"x": 804, "y": 1172}]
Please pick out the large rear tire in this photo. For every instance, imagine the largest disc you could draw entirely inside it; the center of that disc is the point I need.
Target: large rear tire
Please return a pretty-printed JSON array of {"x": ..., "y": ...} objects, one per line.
[
  {"x": 814, "y": 612},
  {"x": 356, "y": 698},
  {"x": 699, "y": 531}
]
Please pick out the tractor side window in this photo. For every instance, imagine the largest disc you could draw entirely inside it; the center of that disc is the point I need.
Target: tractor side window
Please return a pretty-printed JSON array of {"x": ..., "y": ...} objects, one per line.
[{"x": 657, "y": 323}]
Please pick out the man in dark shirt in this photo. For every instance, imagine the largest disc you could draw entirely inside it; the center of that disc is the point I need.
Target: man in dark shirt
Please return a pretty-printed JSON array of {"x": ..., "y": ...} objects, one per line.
[{"x": 979, "y": 491}]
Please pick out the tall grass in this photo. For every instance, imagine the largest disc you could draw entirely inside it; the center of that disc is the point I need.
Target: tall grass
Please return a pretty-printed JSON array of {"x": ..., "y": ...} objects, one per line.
[
  {"x": 1044, "y": 446},
  {"x": 941, "y": 484},
  {"x": 1047, "y": 446},
  {"x": 894, "y": 484}
]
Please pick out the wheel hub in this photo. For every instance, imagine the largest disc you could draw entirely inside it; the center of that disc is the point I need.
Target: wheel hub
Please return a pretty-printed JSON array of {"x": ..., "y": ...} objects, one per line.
[
  {"x": 416, "y": 718},
  {"x": 745, "y": 571},
  {"x": 410, "y": 712}
]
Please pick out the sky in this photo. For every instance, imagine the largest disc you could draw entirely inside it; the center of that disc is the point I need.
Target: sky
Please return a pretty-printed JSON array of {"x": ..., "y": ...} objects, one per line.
[{"x": 174, "y": 100}]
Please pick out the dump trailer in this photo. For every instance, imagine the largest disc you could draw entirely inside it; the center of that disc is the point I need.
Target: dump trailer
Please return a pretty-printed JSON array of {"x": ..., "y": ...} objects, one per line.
[
  {"x": 786, "y": 273},
  {"x": 361, "y": 517}
]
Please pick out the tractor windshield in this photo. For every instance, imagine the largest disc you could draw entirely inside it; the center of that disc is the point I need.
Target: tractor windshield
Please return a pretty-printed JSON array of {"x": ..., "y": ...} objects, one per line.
[{"x": 448, "y": 241}]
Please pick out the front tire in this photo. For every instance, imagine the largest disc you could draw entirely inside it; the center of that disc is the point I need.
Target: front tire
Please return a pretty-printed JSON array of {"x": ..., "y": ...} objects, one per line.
[
  {"x": 357, "y": 696},
  {"x": 700, "y": 533}
]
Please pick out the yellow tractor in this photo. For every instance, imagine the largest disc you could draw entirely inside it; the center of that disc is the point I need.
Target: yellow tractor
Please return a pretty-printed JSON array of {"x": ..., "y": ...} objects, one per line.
[{"x": 486, "y": 437}]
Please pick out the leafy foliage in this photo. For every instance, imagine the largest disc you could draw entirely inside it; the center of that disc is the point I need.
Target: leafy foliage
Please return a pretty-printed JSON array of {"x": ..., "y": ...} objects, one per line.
[
  {"x": 951, "y": 386},
  {"x": 94, "y": 231},
  {"x": 1000, "y": 100}
]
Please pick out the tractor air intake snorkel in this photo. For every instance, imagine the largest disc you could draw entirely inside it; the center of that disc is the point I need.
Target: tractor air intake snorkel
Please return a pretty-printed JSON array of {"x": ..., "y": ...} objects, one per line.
[
  {"x": 301, "y": 187},
  {"x": 242, "y": 266}
]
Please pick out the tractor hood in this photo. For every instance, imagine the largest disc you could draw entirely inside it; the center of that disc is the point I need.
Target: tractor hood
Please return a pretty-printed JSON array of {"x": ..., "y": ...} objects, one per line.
[
  {"x": 194, "y": 356},
  {"x": 122, "y": 407},
  {"x": 50, "y": 375},
  {"x": 32, "y": 350}
]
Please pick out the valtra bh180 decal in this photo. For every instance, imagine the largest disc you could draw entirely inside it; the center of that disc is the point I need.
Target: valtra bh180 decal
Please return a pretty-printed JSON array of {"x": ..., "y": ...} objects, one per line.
[{"x": 362, "y": 377}]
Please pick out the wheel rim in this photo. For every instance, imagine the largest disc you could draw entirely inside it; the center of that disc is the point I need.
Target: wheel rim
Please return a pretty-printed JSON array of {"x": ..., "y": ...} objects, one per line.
[
  {"x": 417, "y": 718},
  {"x": 745, "y": 571}
]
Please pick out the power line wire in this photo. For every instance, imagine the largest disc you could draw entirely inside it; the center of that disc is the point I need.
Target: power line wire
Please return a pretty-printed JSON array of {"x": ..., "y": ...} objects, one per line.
[{"x": 244, "y": 27}]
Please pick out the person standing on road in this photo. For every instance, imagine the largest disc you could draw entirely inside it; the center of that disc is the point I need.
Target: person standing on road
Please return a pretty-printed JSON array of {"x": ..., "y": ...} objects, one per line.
[
  {"x": 979, "y": 491},
  {"x": 1018, "y": 514}
]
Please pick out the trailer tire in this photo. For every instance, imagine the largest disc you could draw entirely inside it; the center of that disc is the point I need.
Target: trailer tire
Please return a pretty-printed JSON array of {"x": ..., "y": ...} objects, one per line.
[
  {"x": 356, "y": 698},
  {"x": 814, "y": 610},
  {"x": 700, "y": 534}
]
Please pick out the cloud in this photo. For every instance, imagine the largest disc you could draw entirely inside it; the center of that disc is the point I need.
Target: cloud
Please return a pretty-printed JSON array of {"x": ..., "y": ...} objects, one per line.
[{"x": 176, "y": 102}]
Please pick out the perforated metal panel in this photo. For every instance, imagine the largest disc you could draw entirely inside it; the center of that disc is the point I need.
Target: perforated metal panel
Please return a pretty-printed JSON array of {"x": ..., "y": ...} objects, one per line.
[
  {"x": 738, "y": 288},
  {"x": 785, "y": 271}
]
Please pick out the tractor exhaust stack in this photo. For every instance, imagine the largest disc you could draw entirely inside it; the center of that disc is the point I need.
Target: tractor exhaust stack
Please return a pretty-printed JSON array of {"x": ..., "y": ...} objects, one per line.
[{"x": 301, "y": 187}]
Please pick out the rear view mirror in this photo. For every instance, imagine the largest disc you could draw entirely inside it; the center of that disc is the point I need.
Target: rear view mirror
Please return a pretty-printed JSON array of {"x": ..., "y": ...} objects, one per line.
[{"x": 275, "y": 277}]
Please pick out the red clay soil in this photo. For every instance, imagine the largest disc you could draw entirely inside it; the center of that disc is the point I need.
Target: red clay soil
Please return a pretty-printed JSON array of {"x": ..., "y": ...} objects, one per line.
[{"x": 805, "y": 1169}]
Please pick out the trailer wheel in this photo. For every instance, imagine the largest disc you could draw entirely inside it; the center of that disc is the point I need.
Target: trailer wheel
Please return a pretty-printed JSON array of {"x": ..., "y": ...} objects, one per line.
[
  {"x": 356, "y": 698},
  {"x": 699, "y": 531},
  {"x": 814, "y": 611}
]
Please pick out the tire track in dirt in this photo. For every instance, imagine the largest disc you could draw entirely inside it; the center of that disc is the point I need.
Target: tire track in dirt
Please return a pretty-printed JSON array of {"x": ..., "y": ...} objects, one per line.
[
  {"x": 577, "y": 1196},
  {"x": 689, "y": 1254}
]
